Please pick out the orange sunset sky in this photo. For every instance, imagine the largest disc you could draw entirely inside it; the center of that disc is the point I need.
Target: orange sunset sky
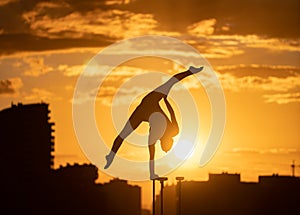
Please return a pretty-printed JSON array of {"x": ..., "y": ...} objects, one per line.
[{"x": 252, "y": 45}]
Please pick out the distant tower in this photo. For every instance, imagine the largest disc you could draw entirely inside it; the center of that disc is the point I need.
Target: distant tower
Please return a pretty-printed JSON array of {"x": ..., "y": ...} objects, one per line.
[{"x": 293, "y": 166}]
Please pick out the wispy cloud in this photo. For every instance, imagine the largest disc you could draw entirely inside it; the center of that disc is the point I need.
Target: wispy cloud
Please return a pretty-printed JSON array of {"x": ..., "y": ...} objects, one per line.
[
  {"x": 263, "y": 70},
  {"x": 279, "y": 84},
  {"x": 113, "y": 85},
  {"x": 233, "y": 16},
  {"x": 89, "y": 51},
  {"x": 45, "y": 25},
  {"x": 226, "y": 46},
  {"x": 37, "y": 67},
  {"x": 113, "y": 23},
  {"x": 282, "y": 98},
  {"x": 264, "y": 150},
  {"x": 38, "y": 94},
  {"x": 71, "y": 71},
  {"x": 126, "y": 83},
  {"x": 202, "y": 28},
  {"x": 214, "y": 52},
  {"x": 118, "y": 2},
  {"x": 231, "y": 82},
  {"x": 4, "y": 2},
  {"x": 256, "y": 41},
  {"x": 10, "y": 87}
]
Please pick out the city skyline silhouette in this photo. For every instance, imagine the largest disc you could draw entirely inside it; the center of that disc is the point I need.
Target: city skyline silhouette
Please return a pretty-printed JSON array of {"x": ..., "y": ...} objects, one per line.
[
  {"x": 33, "y": 185},
  {"x": 253, "y": 48}
]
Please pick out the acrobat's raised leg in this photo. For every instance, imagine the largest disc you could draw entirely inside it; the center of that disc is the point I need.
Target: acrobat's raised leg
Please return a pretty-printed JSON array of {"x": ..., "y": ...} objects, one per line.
[{"x": 166, "y": 87}]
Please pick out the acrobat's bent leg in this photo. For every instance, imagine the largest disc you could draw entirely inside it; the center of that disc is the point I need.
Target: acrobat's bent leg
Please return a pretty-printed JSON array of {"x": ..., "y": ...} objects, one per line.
[
  {"x": 116, "y": 145},
  {"x": 129, "y": 127}
]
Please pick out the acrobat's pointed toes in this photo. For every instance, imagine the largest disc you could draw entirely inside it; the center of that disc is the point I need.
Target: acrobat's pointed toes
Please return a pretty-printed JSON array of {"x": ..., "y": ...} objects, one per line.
[
  {"x": 109, "y": 160},
  {"x": 195, "y": 69}
]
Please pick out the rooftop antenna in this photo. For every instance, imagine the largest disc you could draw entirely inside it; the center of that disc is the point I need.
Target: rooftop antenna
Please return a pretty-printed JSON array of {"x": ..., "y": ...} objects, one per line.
[
  {"x": 179, "y": 179},
  {"x": 293, "y": 168},
  {"x": 161, "y": 180}
]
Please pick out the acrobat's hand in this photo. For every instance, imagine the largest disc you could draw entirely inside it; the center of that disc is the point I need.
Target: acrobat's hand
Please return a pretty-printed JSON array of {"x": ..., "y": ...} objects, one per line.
[
  {"x": 196, "y": 70},
  {"x": 153, "y": 176}
]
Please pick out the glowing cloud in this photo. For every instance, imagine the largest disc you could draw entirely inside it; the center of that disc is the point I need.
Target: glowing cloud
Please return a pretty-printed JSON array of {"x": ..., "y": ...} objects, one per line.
[
  {"x": 37, "y": 67},
  {"x": 282, "y": 98},
  {"x": 112, "y": 23},
  {"x": 38, "y": 94},
  {"x": 202, "y": 28},
  {"x": 10, "y": 87},
  {"x": 71, "y": 71}
]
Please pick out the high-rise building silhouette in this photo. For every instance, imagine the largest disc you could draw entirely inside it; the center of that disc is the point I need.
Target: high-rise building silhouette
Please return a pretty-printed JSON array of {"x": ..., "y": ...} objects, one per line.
[
  {"x": 30, "y": 184},
  {"x": 27, "y": 139},
  {"x": 26, "y": 159}
]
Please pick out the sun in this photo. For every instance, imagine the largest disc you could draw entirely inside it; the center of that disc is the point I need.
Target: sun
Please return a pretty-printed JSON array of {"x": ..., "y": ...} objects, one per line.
[{"x": 182, "y": 151}]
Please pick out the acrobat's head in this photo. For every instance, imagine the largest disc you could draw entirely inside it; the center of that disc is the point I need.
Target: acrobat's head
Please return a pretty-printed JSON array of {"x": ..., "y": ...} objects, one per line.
[{"x": 166, "y": 142}]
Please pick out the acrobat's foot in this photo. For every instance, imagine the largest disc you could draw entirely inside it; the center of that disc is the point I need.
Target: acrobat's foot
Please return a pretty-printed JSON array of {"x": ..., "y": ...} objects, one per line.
[
  {"x": 153, "y": 176},
  {"x": 109, "y": 159},
  {"x": 195, "y": 70}
]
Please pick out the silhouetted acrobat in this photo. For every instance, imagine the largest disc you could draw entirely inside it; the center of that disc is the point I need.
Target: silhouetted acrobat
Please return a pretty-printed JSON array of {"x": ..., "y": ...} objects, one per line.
[{"x": 149, "y": 110}]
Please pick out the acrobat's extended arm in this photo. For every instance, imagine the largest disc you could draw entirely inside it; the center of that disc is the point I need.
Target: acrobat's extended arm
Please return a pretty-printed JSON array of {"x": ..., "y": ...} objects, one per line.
[
  {"x": 166, "y": 87},
  {"x": 171, "y": 111}
]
